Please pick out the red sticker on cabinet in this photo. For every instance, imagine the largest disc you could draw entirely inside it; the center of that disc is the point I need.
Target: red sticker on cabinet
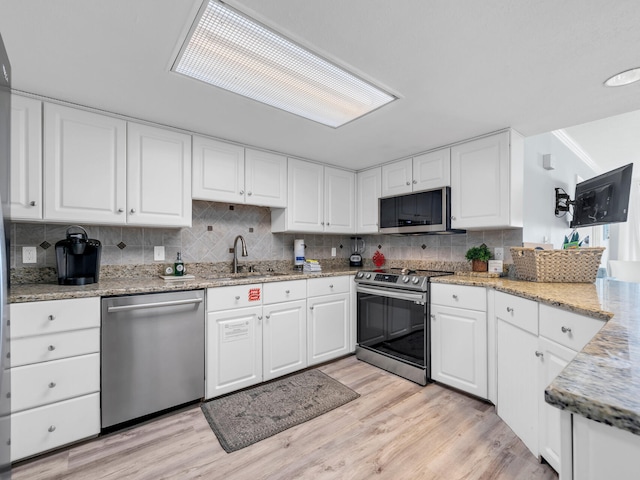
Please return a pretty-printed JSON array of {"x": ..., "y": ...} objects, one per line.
[{"x": 254, "y": 294}]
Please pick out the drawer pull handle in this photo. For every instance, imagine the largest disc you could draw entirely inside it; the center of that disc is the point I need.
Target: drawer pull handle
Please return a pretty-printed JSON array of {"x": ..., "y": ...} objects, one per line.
[
  {"x": 51, "y": 318},
  {"x": 52, "y": 384},
  {"x": 52, "y": 428},
  {"x": 566, "y": 330},
  {"x": 237, "y": 297},
  {"x": 287, "y": 292},
  {"x": 331, "y": 286},
  {"x": 32, "y": 203},
  {"x": 509, "y": 309},
  {"x": 51, "y": 348},
  {"x": 455, "y": 297},
  {"x": 267, "y": 317},
  {"x": 539, "y": 354}
]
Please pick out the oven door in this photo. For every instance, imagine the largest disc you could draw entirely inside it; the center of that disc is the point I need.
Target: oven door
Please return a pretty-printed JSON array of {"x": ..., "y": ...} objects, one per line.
[{"x": 392, "y": 322}]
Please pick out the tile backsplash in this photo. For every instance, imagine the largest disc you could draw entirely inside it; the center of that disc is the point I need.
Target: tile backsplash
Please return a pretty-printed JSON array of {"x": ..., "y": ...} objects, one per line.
[{"x": 215, "y": 226}]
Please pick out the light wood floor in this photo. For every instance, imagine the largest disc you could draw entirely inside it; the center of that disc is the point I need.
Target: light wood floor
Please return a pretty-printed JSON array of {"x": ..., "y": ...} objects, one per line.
[{"x": 395, "y": 430}]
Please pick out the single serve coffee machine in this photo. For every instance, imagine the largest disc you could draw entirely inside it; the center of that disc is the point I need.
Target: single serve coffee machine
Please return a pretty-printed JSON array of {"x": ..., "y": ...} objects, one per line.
[{"x": 78, "y": 258}]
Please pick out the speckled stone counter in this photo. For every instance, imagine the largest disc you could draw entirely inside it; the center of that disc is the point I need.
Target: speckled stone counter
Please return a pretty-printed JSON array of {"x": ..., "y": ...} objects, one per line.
[
  {"x": 34, "y": 292},
  {"x": 603, "y": 381}
]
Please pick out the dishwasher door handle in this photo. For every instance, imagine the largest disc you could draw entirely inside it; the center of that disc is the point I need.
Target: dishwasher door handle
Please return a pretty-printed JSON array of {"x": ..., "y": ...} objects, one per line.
[{"x": 125, "y": 308}]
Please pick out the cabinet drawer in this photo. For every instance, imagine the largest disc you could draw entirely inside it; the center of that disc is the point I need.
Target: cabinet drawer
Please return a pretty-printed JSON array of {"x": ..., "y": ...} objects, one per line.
[
  {"x": 41, "y": 429},
  {"x": 328, "y": 285},
  {"x": 567, "y": 328},
  {"x": 50, "y": 382},
  {"x": 277, "y": 292},
  {"x": 461, "y": 296},
  {"x": 37, "y": 318},
  {"x": 237, "y": 296},
  {"x": 55, "y": 346},
  {"x": 517, "y": 311}
]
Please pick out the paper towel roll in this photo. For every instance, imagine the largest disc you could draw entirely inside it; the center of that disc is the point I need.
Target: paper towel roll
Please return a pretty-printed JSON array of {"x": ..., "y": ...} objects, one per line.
[{"x": 298, "y": 251}]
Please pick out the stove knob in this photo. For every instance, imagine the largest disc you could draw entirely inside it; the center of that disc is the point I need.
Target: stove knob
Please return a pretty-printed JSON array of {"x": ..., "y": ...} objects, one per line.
[
  {"x": 406, "y": 279},
  {"x": 360, "y": 275},
  {"x": 416, "y": 280},
  {"x": 368, "y": 275}
]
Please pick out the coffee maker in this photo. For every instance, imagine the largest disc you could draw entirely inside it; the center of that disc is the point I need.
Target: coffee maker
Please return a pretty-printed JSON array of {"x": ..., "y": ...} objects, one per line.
[{"x": 78, "y": 258}]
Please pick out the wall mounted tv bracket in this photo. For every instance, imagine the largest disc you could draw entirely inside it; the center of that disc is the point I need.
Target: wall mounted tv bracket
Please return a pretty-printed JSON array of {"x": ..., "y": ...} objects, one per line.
[{"x": 563, "y": 201}]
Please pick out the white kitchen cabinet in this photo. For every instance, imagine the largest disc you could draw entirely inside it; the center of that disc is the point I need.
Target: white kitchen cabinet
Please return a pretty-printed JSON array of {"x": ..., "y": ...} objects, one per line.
[
  {"x": 602, "y": 451},
  {"x": 422, "y": 172},
  {"x": 320, "y": 199},
  {"x": 369, "y": 190},
  {"x": 223, "y": 172},
  {"x": 459, "y": 337},
  {"x": 55, "y": 374},
  {"x": 329, "y": 323},
  {"x": 487, "y": 182},
  {"x": 25, "y": 202},
  {"x": 158, "y": 177},
  {"x": 517, "y": 365},
  {"x": 84, "y": 166}
]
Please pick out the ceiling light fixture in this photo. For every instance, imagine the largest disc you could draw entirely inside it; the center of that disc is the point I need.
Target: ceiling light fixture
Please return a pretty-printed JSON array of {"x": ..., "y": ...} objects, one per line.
[
  {"x": 231, "y": 51},
  {"x": 624, "y": 78}
]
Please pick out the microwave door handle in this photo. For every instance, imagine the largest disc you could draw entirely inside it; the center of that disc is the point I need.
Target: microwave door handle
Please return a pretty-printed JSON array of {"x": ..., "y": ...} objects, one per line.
[{"x": 412, "y": 297}]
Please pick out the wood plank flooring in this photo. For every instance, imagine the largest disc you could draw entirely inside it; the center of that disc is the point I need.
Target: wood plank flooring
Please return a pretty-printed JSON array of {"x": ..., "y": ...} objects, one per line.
[{"x": 395, "y": 430}]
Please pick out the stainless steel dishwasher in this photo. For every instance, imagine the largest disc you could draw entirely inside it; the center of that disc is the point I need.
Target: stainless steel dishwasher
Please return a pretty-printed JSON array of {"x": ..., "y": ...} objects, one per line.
[{"x": 152, "y": 353}]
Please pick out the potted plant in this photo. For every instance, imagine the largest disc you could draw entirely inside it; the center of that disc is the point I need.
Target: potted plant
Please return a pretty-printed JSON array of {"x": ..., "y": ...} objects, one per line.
[{"x": 479, "y": 256}]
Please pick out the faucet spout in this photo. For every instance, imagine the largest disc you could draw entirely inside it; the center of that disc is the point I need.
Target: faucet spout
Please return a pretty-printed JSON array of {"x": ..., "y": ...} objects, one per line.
[{"x": 235, "y": 251}]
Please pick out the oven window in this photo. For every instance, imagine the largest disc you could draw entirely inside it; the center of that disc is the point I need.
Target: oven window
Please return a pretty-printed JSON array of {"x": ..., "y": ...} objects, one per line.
[{"x": 392, "y": 327}]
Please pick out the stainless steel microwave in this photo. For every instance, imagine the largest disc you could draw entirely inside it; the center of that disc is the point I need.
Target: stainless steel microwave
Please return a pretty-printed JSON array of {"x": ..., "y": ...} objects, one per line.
[{"x": 419, "y": 212}]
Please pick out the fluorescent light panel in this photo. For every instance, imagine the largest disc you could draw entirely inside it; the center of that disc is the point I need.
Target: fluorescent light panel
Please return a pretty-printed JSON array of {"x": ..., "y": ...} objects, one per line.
[{"x": 231, "y": 51}]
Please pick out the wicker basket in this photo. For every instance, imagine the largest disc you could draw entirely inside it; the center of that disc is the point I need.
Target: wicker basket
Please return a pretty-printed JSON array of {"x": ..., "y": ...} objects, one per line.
[{"x": 578, "y": 265}]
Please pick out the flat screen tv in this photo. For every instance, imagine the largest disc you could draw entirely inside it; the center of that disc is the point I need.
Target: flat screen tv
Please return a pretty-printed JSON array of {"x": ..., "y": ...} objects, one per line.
[{"x": 603, "y": 199}]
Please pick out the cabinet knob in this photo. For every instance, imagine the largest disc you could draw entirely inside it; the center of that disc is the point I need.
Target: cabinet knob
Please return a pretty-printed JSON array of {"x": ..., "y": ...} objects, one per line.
[
  {"x": 52, "y": 428},
  {"x": 331, "y": 286},
  {"x": 287, "y": 292},
  {"x": 311, "y": 307},
  {"x": 415, "y": 181},
  {"x": 453, "y": 218},
  {"x": 249, "y": 193},
  {"x": 455, "y": 297},
  {"x": 51, "y": 318},
  {"x": 237, "y": 297},
  {"x": 408, "y": 183},
  {"x": 539, "y": 354},
  {"x": 133, "y": 210},
  {"x": 32, "y": 203},
  {"x": 321, "y": 223},
  {"x": 51, "y": 348},
  {"x": 433, "y": 317},
  {"x": 121, "y": 210},
  {"x": 241, "y": 192},
  {"x": 566, "y": 329},
  {"x": 328, "y": 224},
  {"x": 267, "y": 317},
  {"x": 52, "y": 384},
  {"x": 509, "y": 309},
  {"x": 259, "y": 317}
]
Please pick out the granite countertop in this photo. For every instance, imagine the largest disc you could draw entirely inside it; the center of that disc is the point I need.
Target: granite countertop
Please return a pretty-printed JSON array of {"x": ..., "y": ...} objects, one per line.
[
  {"x": 34, "y": 292},
  {"x": 603, "y": 381}
]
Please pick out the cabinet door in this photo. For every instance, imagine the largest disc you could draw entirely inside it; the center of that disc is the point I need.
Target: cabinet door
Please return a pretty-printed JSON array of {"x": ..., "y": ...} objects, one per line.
[
  {"x": 328, "y": 327},
  {"x": 233, "y": 350},
  {"x": 432, "y": 170},
  {"x": 339, "y": 201},
  {"x": 305, "y": 205},
  {"x": 480, "y": 183},
  {"x": 158, "y": 177},
  {"x": 84, "y": 166},
  {"x": 266, "y": 179},
  {"x": 397, "y": 177},
  {"x": 369, "y": 190},
  {"x": 218, "y": 171},
  {"x": 284, "y": 338},
  {"x": 518, "y": 381},
  {"x": 459, "y": 348},
  {"x": 26, "y": 159},
  {"x": 551, "y": 421}
]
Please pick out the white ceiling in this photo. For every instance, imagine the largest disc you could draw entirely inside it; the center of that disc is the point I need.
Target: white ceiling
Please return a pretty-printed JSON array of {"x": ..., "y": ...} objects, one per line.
[{"x": 461, "y": 68}]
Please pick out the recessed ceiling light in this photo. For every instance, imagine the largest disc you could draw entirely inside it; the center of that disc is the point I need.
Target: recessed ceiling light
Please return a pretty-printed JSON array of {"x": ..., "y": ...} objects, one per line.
[
  {"x": 624, "y": 78},
  {"x": 231, "y": 51}
]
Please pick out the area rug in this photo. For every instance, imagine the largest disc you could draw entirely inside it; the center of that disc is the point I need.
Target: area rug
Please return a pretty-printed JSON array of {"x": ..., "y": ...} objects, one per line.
[{"x": 246, "y": 417}]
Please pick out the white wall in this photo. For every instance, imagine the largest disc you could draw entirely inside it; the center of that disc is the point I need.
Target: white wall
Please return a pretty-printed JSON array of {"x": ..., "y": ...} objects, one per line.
[{"x": 540, "y": 222}]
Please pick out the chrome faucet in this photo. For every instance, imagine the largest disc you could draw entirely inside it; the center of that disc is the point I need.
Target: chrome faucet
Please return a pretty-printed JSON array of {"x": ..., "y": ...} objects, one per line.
[{"x": 235, "y": 252}]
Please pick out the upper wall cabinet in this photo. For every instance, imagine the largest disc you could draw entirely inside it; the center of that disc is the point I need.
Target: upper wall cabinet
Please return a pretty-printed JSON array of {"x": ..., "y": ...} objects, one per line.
[
  {"x": 423, "y": 172},
  {"x": 320, "y": 199},
  {"x": 223, "y": 172},
  {"x": 84, "y": 166},
  {"x": 26, "y": 159},
  {"x": 486, "y": 182},
  {"x": 369, "y": 190},
  {"x": 158, "y": 177}
]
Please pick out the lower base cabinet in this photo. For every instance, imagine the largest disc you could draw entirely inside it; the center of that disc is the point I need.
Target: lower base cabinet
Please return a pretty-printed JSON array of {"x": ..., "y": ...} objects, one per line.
[
  {"x": 284, "y": 338},
  {"x": 329, "y": 327}
]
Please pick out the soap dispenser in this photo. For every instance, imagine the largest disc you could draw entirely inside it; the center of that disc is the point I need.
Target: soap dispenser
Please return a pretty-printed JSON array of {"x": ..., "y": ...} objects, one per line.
[{"x": 178, "y": 266}]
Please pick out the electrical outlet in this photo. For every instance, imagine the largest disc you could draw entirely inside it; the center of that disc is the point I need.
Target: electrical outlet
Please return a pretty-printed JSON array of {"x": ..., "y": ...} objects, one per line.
[
  {"x": 29, "y": 255},
  {"x": 333, "y": 251},
  {"x": 498, "y": 253},
  {"x": 158, "y": 254}
]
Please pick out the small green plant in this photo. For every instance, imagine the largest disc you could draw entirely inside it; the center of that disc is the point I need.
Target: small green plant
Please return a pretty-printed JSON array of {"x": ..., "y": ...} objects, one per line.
[{"x": 481, "y": 253}]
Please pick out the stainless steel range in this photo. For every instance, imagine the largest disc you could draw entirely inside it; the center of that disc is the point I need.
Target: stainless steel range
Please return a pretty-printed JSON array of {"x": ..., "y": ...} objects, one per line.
[{"x": 392, "y": 321}]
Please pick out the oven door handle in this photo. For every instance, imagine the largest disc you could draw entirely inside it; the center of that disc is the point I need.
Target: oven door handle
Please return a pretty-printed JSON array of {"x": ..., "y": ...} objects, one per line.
[{"x": 410, "y": 296}]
